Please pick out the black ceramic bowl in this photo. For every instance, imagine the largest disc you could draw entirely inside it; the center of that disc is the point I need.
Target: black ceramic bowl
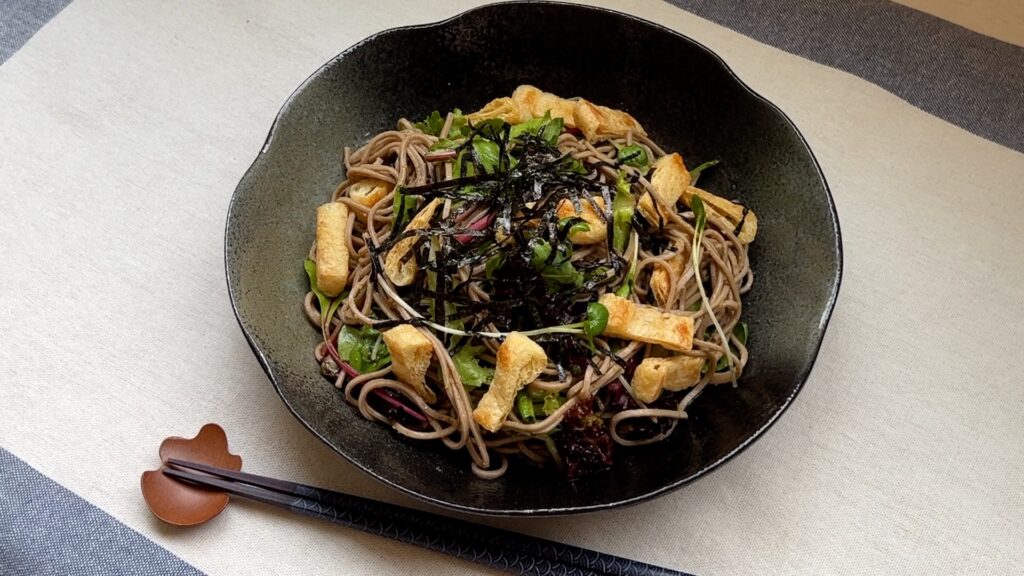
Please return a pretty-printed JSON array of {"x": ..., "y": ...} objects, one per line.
[{"x": 688, "y": 100}]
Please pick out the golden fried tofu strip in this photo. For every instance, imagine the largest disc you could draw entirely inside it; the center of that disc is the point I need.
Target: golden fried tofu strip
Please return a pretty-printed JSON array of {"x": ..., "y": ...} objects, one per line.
[
  {"x": 528, "y": 102},
  {"x": 537, "y": 103},
  {"x": 332, "y": 248},
  {"x": 660, "y": 278},
  {"x": 400, "y": 269},
  {"x": 656, "y": 374},
  {"x": 598, "y": 227},
  {"x": 369, "y": 191},
  {"x": 643, "y": 323},
  {"x": 669, "y": 181},
  {"x": 410, "y": 357},
  {"x": 504, "y": 108},
  {"x": 596, "y": 121},
  {"x": 730, "y": 211},
  {"x": 519, "y": 362}
]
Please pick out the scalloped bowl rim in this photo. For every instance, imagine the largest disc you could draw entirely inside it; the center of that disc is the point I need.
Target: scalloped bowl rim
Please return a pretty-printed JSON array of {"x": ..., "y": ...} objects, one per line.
[{"x": 264, "y": 361}]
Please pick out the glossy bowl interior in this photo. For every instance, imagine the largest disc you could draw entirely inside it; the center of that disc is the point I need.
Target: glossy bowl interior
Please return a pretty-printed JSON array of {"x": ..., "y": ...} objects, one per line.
[{"x": 688, "y": 100}]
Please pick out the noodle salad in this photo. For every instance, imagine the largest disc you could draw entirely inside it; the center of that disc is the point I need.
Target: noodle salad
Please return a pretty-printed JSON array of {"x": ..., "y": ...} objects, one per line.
[{"x": 536, "y": 279}]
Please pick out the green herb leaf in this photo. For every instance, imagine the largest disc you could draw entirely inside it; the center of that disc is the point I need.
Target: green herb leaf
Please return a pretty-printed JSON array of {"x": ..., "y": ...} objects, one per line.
[
  {"x": 492, "y": 265},
  {"x": 741, "y": 331},
  {"x": 597, "y": 319},
  {"x": 546, "y": 127},
  {"x": 541, "y": 253},
  {"x": 322, "y": 298},
  {"x": 362, "y": 349},
  {"x": 557, "y": 271},
  {"x": 524, "y": 405},
  {"x": 552, "y": 402},
  {"x": 552, "y": 130},
  {"x": 328, "y": 306},
  {"x": 634, "y": 155},
  {"x": 468, "y": 366},
  {"x": 575, "y": 224},
  {"x": 565, "y": 274},
  {"x": 487, "y": 153},
  {"x": 531, "y": 126},
  {"x": 460, "y": 125},
  {"x": 458, "y": 324},
  {"x": 623, "y": 206},
  {"x": 402, "y": 207},
  {"x": 694, "y": 307},
  {"x": 443, "y": 144},
  {"x": 695, "y": 173},
  {"x": 335, "y": 304},
  {"x": 432, "y": 124},
  {"x": 577, "y": 166},
  {"x": 700, "y": 216}
]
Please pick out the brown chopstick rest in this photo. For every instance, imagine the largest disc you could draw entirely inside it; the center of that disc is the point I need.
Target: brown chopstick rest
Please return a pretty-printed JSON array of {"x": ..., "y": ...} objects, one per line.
[{"x": 180, "y": 503}]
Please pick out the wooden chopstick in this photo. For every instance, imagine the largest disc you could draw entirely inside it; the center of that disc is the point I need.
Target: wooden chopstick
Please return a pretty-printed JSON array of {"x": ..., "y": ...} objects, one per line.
[{"x": 501, "y": 549}]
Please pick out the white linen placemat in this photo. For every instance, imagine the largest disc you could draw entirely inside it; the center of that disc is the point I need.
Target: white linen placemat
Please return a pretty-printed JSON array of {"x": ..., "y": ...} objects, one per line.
[{"x": 125, "y": 127}]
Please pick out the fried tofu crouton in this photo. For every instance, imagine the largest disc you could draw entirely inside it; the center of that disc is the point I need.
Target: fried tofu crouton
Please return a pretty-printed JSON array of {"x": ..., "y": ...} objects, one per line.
[
  {"x": 505, "y": 108},
  {"x": 519, "y": 362},
  {"x": 368, "y": 192},
  {"x": 598, "y": 227},
  {"x": 332, "y": 248},
  {"x": 730, "y": 211},
  {"x": 400, "y": 269},
  {"x": 537, "y": 103},
  {"x": 661, "y": 279},
  {"x": 669, "y": 181},
  {"x": 643, "y": 323},
  {"x": 596, "y": 121},
  {"x": 410, "y": 357},
  {"x": 529, "y": 102},
  {"x": 656, "y": 374}
]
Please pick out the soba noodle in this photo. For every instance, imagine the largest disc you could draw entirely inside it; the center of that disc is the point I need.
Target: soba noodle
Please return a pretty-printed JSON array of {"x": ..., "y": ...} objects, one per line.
[{"x": 403, "y": 157}]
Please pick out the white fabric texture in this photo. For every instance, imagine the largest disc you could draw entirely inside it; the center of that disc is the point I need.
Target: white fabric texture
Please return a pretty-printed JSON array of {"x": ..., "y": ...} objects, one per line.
[{"x": 125, "y": 126}]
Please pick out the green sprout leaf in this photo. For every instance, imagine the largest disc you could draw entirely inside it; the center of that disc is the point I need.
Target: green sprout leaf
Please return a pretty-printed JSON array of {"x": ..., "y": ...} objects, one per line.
[
  {"x": 634, "y": 155},
  {"x": 546, "y": 127},
  {"x": 362, "y": 349},
  {"x": 623, "y": 206},
  {"x": 467, "y": 363},
  {"x": 493, "y": 264},
  {"x": 432, "y": 124},
  {"x": 322, "y": 298},
  {"x": 700, "y": 217},
  {"x": 695, "y": 173},
  {"x": 402, "y": 207},
  {"x": 524, "y": 405},
  {"x": 552, "y": 129},
  {"x": 487, "y": 153},
  {"x": 551, "y": 403},
  {"x": 328, "y": 306},
  {"x": 740, "y": 332},
  {"x": 597, "y": 319},
  {"x": 701, "y": 220}
]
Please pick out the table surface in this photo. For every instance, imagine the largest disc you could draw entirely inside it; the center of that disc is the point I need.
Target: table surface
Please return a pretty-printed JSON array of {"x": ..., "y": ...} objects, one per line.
[{"x": 124, "y": 127}]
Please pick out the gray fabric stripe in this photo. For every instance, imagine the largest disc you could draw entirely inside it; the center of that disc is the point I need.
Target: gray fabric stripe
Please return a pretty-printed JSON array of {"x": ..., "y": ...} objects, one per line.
[
  {"x": 20, "y": 19},
  {"x": 966, "y": 78},
  {"x": 45, "y": 529}
]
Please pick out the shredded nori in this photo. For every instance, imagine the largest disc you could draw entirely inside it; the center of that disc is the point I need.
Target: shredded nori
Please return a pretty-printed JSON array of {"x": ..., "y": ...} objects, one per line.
[{"x": 523, "y": 191}]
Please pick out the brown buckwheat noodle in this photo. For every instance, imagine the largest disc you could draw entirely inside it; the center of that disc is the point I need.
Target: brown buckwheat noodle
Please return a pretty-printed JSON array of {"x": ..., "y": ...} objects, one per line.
[{"x": 402, "y": 157}]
